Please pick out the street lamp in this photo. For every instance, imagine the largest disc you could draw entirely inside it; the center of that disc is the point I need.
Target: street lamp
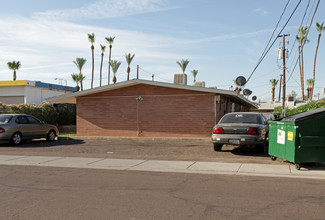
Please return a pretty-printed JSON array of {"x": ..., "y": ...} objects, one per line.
[{"x": 61, "y": 81}]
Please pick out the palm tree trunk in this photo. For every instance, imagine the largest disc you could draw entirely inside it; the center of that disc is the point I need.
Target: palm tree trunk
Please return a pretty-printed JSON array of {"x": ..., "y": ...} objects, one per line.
[
  {"x": 312, "y": 88},
  {"x": 101, "y": 70},
  {"x": 273, "y": 90},
  {"x": 81, "y": 85},
  {"x": 302, "y": 71},
  {"x": 301, "y": 76},
  {"x": 128, "y": 70},
  {"x": 92, "y": 73},
  {"x": 109, "y": 63},
  {"x": 15, "y": 75}
]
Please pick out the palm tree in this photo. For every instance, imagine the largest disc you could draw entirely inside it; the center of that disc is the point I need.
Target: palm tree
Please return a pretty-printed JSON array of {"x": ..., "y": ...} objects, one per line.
[
  {"x": 194, "y": 72},
  {"x": 75, "y": 78},
  {"x": 320, "y": 28},
  {"x": 309, "y": 83},
  {"x": 129, "y": 59},
  {"x": 115, "y": 65},
  {"x": 110, "y": 41},
  {"x": 102, "y": 47},
  {"x": 80, "y": 62},
  {"x": 273, "y": 82},
  {"x": 183, "y": 64},
  {"x": 91, "y": 38},
  {"x": 302, "y": 39},
  {"x": 14, "y": 66}
]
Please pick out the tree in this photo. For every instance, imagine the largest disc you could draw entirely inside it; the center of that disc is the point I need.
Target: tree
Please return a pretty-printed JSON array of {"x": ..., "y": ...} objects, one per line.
[
  {"x": 14, "y": 66},
  {"x": 80, "y": 62},
  {"x": 302, "y": 39},
  {"x": 273, "y": 82},
  {"x": 309, "y": 83},
  {"x": 129, "y": 59},
  {"x": 183, "y": 64},
  {"x": 102, "y": 47},
  {"x": 320, "y": 28},
  {"x": 75, "y": 78},
  {"x": 91, "y": 38},
  {"x": 115, "y": 65},
  {"x": 110, "y": 41},
  {"x": 194, "y": 73}
]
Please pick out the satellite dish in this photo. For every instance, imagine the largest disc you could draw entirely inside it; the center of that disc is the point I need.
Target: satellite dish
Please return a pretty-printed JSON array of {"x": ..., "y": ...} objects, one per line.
[
  {"x": 247, "y": 92},
  {"x": 254, "y": 98},
  {"x": 241, "y": 80}
]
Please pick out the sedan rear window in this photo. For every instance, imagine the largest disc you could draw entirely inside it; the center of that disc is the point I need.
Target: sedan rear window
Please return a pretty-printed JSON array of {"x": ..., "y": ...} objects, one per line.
[
  {"x": 241, "y": 118},
  {"x": 4, "y": 119}
]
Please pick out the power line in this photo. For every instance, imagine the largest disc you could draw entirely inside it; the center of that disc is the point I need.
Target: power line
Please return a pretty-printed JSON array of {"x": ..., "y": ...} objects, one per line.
[{"x": 263, "y": 56}]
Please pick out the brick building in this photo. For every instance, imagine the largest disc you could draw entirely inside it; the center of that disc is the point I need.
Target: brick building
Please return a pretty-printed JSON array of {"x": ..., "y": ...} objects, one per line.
[{"x": 152, "y": 109}]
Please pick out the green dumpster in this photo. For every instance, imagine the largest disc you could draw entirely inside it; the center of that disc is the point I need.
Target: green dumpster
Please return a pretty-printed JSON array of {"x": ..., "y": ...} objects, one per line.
[{"x": 298, "y": 138}]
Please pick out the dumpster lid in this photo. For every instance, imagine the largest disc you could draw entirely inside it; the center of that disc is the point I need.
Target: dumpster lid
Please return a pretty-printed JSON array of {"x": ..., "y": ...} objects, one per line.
[{"x": 304, "y": 115}]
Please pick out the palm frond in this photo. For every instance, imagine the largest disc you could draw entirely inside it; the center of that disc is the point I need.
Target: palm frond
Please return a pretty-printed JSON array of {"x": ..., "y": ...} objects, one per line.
[
  {"x": 79, "y": 62},
  {"x": 129, "y": 58},
  {"x": 110, "y": 40},
  {"x": 194, "y": 73},
  {"x": 91, "y": 38},
  {"x": 102, "y": 47},
  {"x": 115, "y": 65},
  {"x": 183, "y": 64}
]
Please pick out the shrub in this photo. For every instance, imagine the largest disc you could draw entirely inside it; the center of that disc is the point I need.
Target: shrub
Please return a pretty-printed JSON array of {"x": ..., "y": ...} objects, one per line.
[
  {"x": 45, "y": 112},
  {"x": 303, "y": 108}
]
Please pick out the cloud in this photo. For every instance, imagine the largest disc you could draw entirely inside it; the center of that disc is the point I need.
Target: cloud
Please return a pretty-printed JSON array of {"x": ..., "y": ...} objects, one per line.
[
  {"x": 261, "y": 11},
  {"x": 104, "y": 9}
]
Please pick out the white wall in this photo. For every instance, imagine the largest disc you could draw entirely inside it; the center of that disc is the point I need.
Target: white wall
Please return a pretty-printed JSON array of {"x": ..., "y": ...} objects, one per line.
[{"x": 30, "y": 94}]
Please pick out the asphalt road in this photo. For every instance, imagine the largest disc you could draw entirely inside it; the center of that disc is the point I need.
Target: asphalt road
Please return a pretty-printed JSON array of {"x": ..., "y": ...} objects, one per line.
[
  {"x": 62, "y": 193},
  {"x": 139, "y": 148}
]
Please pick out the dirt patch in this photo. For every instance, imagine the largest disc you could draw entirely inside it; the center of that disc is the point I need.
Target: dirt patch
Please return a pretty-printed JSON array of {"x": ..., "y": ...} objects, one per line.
[{"x": 196, "y": 149}]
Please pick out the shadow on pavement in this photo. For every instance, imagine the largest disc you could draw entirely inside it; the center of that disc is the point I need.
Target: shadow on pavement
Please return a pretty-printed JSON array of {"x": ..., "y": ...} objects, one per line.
[
  {"x": 248, "y": 151},
  {"x": 38, "y": 143}
]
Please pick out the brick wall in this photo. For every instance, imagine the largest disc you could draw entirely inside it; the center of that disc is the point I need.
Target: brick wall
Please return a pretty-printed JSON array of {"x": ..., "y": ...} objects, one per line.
[{"x": 163, "y": 112}]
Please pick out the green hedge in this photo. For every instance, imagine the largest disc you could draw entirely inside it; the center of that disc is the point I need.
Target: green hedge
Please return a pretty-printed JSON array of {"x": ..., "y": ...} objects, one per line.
[
  {"x": 67, "y": 114},
  {"x": 303, "y": 108},
  {"x": 45, "y": 112}
]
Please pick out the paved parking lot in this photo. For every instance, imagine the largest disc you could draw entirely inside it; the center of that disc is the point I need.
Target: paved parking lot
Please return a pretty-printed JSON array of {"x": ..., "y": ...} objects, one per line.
[{"x": 195, "y": 149}]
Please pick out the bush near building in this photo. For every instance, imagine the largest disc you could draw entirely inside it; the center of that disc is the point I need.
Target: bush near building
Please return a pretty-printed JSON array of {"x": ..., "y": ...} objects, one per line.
[
  {"x": 303, "y": 108},
  {"x": 45, "y": 112},
  {"x": 67, "y": 114}
]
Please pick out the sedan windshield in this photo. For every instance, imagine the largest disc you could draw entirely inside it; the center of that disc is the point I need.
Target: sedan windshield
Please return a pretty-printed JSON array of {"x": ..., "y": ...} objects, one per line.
[
  {"x": 241, "y": 118},
  {"x": 4, "y": 119}
]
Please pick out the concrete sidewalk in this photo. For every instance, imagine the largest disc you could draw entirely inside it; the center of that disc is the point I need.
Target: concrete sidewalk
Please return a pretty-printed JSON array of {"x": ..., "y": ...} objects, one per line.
[{"x": 316, "y": 172}]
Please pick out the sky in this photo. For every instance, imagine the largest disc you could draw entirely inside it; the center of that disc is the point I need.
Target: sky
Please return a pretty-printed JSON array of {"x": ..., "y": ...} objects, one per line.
[{"x": 221, "y": 39}]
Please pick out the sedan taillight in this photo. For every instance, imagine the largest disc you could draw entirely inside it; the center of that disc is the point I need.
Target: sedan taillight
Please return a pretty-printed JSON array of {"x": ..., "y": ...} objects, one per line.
[
  {"x": 253, "y": 131},
  {"x": 218, "y": 131},
  {"x": 2, "y": 130}
]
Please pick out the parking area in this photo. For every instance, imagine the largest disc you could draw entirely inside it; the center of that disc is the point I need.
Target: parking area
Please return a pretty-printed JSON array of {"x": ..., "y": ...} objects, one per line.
[{"x": 197, "y": 149}]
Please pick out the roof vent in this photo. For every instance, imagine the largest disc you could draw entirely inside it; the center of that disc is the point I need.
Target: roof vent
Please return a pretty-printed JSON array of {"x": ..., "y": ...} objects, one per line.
[
  {"x": 200, "y": 84},
  {"x": 180, "y": 79}
]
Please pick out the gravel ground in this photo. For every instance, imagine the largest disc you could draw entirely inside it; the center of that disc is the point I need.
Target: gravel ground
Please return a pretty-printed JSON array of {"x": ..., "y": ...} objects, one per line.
[{"x": 193, "y": 149}]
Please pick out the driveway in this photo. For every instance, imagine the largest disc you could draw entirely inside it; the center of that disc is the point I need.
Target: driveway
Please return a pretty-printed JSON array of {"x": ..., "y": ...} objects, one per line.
[{"x": 193, "y": 149}]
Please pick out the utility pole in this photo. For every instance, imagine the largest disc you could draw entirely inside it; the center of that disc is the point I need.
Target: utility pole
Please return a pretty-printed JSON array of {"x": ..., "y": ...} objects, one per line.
[
  {"x": 137, "y": 71},
  {"x": 280, "y": 88},
  {"x": 284, "y": 73}
]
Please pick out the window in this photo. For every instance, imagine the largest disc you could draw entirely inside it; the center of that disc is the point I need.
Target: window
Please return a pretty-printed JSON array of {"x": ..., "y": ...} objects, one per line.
[
  {"x": 22, "y": 120},
  {"x": 241, "y": 118},
  {"x": 33, "y": 120},
  {"x": 4, "y": 119}
]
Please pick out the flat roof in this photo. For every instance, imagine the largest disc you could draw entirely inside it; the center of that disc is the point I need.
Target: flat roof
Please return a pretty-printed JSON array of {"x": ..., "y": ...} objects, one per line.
[
  {"x": 49, "y": 86},
  {"x": 71, "y": 98}
]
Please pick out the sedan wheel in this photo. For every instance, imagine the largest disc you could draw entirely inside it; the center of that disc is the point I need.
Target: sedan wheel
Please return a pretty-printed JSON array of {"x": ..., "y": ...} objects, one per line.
[
  {"x": 51, "y": 136},
  {"x": 217, "y": 147},
  {"x": 16, "y": 139}
]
